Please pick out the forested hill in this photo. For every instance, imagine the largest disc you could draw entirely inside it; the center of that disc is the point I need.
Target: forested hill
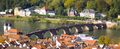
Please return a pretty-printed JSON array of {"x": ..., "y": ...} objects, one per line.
[{"x": 109, "y": 7}]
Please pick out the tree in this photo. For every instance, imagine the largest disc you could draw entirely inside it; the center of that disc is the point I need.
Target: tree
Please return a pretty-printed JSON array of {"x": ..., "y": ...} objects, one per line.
[
  {"x": 104, "y": 40},
  {"x": 101, "y": 40},
  {"x": 101, "y": 6},
  {"x": 33, "y": 1},
  {"x": 109, "y": 2},
  {"x": 69, "y": 3},
  {"x": 107, "y": 40},
  {"x": 90, "y": 5},
  {"x": 114, "y": 9},
  {"x": 57, "y": 5},
  {"x": 79, "y": 5},
  {"x": 54, "y": 4}
]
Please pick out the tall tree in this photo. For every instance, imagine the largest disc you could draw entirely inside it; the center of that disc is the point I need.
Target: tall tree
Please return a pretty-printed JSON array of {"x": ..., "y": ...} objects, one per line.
[
  {"x": 91, "y": 4},
  {"x": 102, "y": 6},
  {"x": 79, "y": 5},
  {"x": 109, "y": 2},
  {"x": 69, "y": 3},
  {"x": 33, "y": 1},
  {"x": 57, "y": 5}
]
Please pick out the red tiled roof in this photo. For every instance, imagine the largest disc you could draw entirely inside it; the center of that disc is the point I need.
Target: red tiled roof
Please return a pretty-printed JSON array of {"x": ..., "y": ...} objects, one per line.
[
  {"x": 12, "y": 31},
  {"x": 90, "y": 42},
  {"x": 71, "y": 45},
  {"x": 13, "y": 36},
  {"x": 87, "y": 48},
  {"x": 114, "y": 46},
  {"x": 65, "y": 35},
  {"x": 39, "y": 46}
]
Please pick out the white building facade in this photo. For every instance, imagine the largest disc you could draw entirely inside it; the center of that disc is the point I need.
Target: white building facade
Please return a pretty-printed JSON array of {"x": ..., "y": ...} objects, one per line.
[{"x": 88, "y": 13}]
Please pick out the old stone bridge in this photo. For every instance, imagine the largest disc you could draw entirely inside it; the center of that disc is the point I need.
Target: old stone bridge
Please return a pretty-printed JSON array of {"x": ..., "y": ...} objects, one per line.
[{"x": 79, "y": 28}]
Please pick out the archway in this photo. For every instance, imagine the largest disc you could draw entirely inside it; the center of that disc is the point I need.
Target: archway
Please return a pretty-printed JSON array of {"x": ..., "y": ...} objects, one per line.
[
  {"x": 73, "y": 30},
  {"x": 60, "y": 31},
  {"x": 47, "y": 34},
  {"x": 85, "y": 28},
  {"x": 34, "y": 37}
]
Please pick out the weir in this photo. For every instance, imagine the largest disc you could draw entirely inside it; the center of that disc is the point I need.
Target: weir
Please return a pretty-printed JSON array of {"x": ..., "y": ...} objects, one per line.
[{"x": 66, "y": 29}]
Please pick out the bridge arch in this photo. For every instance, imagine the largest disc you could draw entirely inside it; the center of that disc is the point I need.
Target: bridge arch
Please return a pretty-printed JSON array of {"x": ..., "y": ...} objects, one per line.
[
  {"x": 34, "y": 36},
  {"x": 47, "y": 34},
  {"x": 73, "y": 30},
  {"x": 60, "y": 31}
]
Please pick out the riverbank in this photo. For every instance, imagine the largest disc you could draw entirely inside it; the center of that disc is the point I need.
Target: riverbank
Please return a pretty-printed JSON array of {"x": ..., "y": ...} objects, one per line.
[{"x": 39, "y": 19}]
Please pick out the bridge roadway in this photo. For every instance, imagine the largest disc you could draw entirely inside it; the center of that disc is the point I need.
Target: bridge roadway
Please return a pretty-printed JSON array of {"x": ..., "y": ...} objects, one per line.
[{"x": 79, "y": 28}]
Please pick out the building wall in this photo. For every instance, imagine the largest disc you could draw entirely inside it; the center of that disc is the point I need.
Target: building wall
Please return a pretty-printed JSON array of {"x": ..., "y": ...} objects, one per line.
[
  {"x": 118, "y": 16},
  {"x": 88, "y": 15},
  {"x": 16, "y": 11},
  {"x": 21, "y": 12}
]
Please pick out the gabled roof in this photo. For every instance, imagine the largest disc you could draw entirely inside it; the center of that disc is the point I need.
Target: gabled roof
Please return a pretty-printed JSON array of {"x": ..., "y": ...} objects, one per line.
[
  {"x": 43, "y": 8},
  {"x": 90, "y": 42}
]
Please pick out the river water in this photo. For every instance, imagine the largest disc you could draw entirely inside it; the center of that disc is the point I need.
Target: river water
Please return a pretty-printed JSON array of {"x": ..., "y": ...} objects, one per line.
[{"x": 27, "y": 27}]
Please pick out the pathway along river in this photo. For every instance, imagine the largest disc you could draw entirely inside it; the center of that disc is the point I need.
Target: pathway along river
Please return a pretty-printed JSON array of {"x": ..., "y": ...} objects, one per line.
[{"x": 27, "y": 27}]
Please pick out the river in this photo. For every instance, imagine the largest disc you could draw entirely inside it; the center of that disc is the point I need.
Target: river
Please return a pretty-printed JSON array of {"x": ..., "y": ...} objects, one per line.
[{"x": 27, "y": 27}]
